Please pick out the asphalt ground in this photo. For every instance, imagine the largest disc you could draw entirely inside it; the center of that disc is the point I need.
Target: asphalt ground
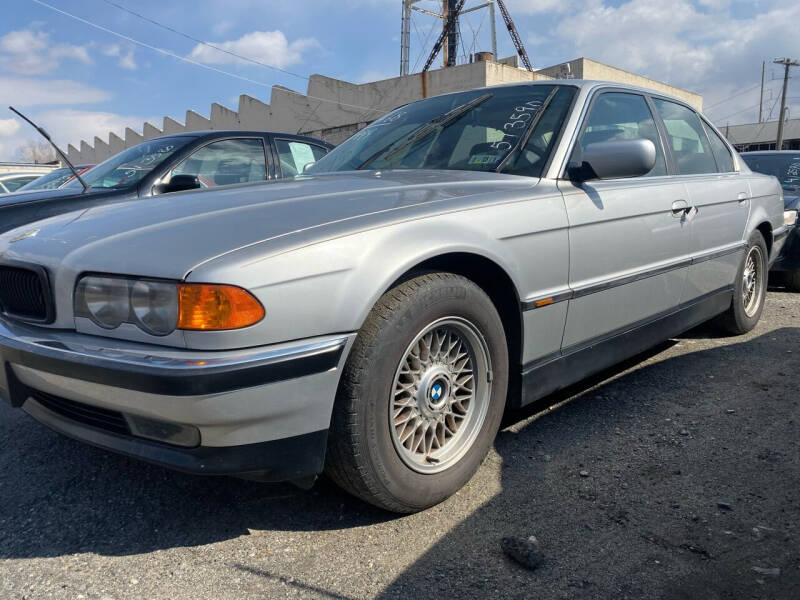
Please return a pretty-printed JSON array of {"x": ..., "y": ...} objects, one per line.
[{"x": 676, "y": 476}]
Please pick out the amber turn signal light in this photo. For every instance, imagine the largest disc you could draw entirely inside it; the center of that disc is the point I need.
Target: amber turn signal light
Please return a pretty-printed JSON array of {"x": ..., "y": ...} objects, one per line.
[{"x": 209, "y": 307}]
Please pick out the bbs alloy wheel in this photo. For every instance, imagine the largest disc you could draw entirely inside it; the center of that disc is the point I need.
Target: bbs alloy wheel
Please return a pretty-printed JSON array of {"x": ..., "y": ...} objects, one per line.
[{"x": 440, "y": 395}]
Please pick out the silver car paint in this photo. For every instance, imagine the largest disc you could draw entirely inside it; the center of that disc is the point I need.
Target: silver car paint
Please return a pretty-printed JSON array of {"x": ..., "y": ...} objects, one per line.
[{"x": 319, "y": 251}]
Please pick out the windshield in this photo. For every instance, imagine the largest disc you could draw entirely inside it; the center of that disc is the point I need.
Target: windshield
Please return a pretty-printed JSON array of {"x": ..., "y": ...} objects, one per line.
[
  {"x": 53, "y": 180},
  {"x": 510, "y": 128},
  {"x": 786, "y": 167},
  {"x": 128, "y": 167}
]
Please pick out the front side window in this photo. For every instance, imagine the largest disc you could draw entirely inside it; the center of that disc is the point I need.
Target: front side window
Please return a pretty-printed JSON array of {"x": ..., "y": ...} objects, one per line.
[
  {"x": 720, "y": 151},
  {"x": 129, "y": 167},
  {"x": 472, "y": 131},
  {"x": 622, "y": 116},
  {"x": 225, "y": 162},
  {"x": 295, "y": 155},
  {"x": 687, "y": 138}
]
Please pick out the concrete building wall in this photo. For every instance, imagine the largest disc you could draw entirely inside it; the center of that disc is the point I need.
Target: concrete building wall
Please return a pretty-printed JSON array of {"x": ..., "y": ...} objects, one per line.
[{"x": 334, "y": 110}]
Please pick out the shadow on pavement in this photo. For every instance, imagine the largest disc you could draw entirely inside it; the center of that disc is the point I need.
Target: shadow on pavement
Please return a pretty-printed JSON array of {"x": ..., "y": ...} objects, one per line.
[
  {"x": 659, "y": 444},
  {"x": 676, "y": 480}
]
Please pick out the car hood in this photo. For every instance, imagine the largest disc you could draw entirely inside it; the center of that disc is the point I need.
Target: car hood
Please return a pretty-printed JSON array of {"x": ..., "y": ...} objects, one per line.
[{"x": 169, "y": 235}]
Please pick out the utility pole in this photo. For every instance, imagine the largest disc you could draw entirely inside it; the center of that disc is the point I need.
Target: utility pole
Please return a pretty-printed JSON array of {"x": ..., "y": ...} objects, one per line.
[
  {"x": 761, "y": 98},
  {"x": 787, "y": 64}
]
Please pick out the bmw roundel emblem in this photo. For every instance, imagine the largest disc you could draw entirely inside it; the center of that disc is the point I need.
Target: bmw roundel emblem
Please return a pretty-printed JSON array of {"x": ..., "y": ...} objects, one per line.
[{"x": 436, "y": 391}]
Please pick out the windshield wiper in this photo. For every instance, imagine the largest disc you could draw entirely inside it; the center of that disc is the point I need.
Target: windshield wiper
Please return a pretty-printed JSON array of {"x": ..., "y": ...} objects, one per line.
[
  {"x": 46, "y": 136},
  {"x": 424, "y": 130},
  {"x": 523, "y": 139}
]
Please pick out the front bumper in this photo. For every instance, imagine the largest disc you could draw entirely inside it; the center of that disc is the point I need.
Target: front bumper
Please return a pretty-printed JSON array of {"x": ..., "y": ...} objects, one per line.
[
  {"x": 262, "y": 412},
  {"x": 788, "y": 258}
]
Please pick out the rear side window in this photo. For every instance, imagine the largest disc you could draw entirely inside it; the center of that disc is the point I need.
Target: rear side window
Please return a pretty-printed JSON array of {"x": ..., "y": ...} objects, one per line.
[
  {"x": 687, "y": 138},
  {"x": 296, "y": 155},
  {"x": 622, "y": 116},
  {"x": 721, "y": 153}
]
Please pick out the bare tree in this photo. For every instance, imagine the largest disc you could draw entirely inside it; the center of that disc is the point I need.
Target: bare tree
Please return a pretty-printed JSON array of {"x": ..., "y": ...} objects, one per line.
[{"x": 36, "y": 151}]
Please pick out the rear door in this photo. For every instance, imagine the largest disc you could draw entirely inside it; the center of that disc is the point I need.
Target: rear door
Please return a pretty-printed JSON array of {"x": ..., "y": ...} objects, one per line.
[
  {"x": 718, "y": 198},
  {"x": 295, "y": 155},
  {"x": 629, "y": 252}
]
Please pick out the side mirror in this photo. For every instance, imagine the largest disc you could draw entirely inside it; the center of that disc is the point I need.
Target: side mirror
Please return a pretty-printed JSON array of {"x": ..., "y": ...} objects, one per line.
[
  {"x": 306, "y": 166},
  {"x": 178, "y": 183},
  {"x": 615, "y": 159}
]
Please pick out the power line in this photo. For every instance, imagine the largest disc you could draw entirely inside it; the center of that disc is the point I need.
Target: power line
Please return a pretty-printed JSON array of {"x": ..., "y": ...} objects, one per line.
[
  {"x": 744, "y": 91},
  {"x": 194, "y": 62},
  {"x": 199, "y": 41},
  {"x": 736, "y": 113}
]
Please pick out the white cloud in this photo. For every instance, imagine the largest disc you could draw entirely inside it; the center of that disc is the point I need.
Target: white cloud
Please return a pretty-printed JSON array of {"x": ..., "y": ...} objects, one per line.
[
  {"x": 8, "y": 127},
  {"x": 30, "y": 52},
  {"x": 702, "y": 47},
  {"x": 69, "y": 126},
  {"x": 66, "y": 126},
  {"x": 24, "y": 91},
  {"x": 127, "y": 60},
  {"x": 532, "y": 7},
  {"x": 269, "y": 47}
]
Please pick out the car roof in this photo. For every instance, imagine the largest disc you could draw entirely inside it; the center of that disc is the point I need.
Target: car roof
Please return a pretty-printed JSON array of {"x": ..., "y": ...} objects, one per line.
[
  {"x": 584, "y": 83},
  {"x": 230, "y": 132},
  {"x": 771, "y": 152}
]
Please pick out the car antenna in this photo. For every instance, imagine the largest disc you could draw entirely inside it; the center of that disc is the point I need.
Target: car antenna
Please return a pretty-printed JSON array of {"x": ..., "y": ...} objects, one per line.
[{"x": 46, "y": 136}]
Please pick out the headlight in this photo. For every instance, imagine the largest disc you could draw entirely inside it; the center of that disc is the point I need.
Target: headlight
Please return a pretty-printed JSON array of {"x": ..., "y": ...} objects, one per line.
[
  {"x": 105, "y": 300},
  {"x": 161, "y": 307},
  {"x": 789, "y": 217},
  {"x": 155, "y": 306}
]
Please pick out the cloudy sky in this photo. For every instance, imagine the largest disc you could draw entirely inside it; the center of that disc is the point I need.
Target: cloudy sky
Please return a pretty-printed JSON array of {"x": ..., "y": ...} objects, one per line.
[{"x": 79, "y": 81}]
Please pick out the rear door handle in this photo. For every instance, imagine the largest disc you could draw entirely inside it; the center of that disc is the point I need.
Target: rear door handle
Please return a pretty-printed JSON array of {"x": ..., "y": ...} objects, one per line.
[{"x": 742, "y": 197}]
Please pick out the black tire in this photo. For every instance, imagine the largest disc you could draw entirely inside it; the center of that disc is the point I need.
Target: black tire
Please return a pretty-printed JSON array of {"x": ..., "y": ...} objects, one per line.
[
  {"x": 738, "y": 319},
  {"x": 792, "y": 280},
  {"x": 362, "y": 457}
]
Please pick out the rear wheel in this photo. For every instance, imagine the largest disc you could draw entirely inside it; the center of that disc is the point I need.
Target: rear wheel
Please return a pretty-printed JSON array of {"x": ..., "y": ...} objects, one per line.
[
  {"x": 749, "y": 289},
  {"x": 421, "y": 395}
]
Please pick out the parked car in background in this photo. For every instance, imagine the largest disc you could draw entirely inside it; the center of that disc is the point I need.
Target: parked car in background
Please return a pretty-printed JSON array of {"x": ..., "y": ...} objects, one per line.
[
  {"x": 54, "y": 179},
  {"x": 785, "y": 165},
  {"x": 183, "y": 161},
  {"x": 11, "y": 182},
  {"x": 375, "y": 316}
]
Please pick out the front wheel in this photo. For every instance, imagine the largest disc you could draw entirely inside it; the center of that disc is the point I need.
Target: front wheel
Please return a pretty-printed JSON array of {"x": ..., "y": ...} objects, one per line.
[
  {"x": 749, "y": 289},
  {"x": 421, "y": 395}
]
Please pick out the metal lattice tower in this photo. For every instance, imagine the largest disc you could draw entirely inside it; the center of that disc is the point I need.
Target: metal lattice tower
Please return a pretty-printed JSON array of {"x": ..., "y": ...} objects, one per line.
[
  {"x": 512, "y": 31},
  {"x": 450, "y": 30}
]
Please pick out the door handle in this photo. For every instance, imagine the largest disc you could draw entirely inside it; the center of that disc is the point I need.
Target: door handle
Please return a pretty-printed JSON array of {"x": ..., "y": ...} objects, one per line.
[
  {"x": 680, "y": 208},
  {"x": 742, "y": 197}
]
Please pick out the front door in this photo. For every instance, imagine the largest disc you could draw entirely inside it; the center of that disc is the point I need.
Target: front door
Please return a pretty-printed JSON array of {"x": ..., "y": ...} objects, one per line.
[{"x": 628, "y": 238}]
